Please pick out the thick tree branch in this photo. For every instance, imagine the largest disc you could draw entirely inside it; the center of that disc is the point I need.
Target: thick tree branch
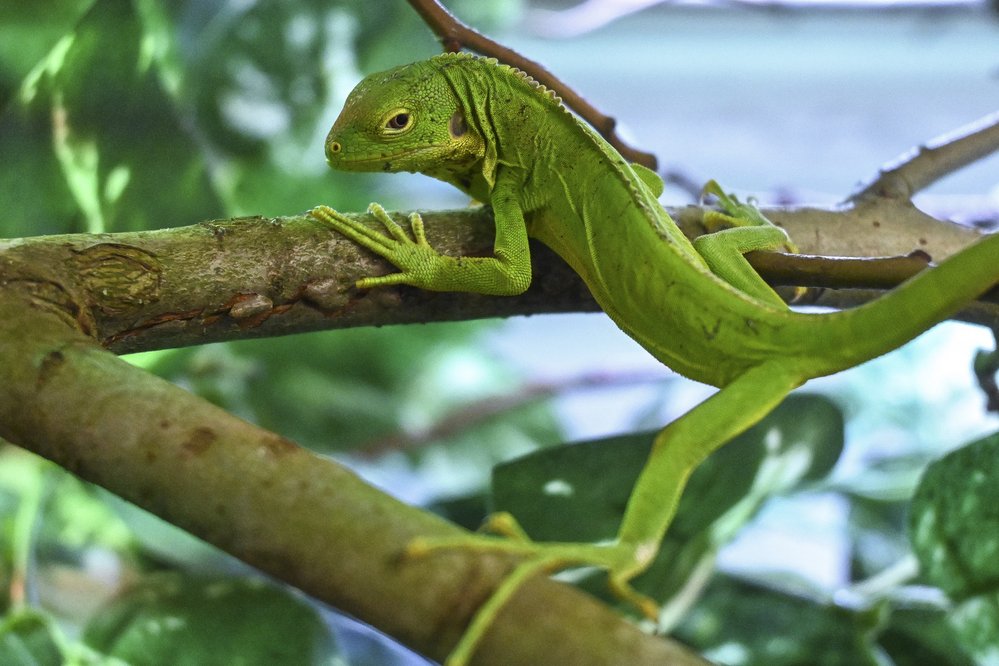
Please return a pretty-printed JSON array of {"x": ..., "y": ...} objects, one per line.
[
  {"x": 289, "y": 512},
  {"x": 258, "y": 277},
  {"x": 253, "y": 277}
]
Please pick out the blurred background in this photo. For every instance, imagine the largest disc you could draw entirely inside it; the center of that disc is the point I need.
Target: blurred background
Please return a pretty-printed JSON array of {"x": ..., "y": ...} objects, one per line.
[{"x": 132, "y": 114}]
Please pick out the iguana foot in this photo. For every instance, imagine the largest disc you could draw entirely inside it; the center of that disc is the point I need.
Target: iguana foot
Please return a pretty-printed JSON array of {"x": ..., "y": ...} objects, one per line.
[
  {"x": 744, "y": 228},
  {"x": 622, "y": 562},
  {"x": 738, "y": 214},
  {"x": 412, "y": 256}
]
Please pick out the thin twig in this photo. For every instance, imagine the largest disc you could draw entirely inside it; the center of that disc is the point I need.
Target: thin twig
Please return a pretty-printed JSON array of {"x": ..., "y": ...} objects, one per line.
[
  {"x": 455, "y": 35},
  {"x": 924, "y": 166},
  {"x": 481, "y": 411},
  {"x": 802, "y": 270},
  {"x": 682, "y": 181}
]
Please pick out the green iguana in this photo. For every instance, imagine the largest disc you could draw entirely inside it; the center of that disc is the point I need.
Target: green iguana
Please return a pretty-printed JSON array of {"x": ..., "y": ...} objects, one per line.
[{"x": 496, "y": 134}]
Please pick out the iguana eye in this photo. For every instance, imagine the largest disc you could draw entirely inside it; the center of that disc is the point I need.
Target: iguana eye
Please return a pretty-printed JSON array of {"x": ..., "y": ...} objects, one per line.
[{"x": 399, "y": 121}]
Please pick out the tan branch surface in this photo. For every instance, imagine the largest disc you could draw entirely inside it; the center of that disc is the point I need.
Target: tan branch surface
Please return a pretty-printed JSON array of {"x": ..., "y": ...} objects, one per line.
[
  {"x": 251, "y": 277},
  {"x": 295, "y": 515},
  {"x": 920, "y": 168}
]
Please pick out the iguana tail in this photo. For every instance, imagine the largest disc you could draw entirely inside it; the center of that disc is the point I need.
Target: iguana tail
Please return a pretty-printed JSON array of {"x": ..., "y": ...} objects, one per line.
[{"x": 928, "y": 298}]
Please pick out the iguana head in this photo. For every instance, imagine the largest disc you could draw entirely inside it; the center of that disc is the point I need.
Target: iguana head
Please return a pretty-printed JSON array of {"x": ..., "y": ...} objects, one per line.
[{"x": 407, "y": 119}]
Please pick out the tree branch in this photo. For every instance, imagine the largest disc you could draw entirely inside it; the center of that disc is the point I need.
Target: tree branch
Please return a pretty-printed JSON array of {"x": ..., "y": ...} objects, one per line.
[
  {"x": 920, "y": 168},
  {"x": 256, "y": 277},
  {"x": 291, "y": 513}
]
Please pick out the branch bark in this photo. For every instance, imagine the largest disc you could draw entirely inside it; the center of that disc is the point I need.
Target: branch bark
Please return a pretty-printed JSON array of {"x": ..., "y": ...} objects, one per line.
[
  {"x": 291, "y": 513},
  {"x": 257, "y": 277},
  {"x": 253, "y": 277}
]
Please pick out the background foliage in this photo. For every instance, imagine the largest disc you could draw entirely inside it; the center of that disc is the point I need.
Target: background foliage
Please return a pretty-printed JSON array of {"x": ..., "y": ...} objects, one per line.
[{"x": 134, "y": 114}]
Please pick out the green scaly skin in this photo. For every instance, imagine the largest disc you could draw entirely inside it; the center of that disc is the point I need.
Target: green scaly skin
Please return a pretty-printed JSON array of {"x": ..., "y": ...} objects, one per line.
[{"x": 698, "y": 307}]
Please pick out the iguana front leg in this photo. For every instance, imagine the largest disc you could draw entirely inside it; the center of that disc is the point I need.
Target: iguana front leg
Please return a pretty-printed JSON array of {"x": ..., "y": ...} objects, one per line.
[{"x": 506, "y": 273}]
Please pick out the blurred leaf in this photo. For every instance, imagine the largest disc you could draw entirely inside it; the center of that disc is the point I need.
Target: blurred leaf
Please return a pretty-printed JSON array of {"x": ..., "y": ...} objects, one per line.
[
  {"x": 134, "y": 114},
  {"x": 331, "y": 390},
  {"x": 29, "y": 30},
  {"x": 955, "y": 534},
  {"x": 257, "y": 71},
  {"x": 889, "y": 479},
  {"x": 27, "y": 639},
  {"x": 115, "y": 110},
  {"x": 263, "y": 82},
  {"x": 183, "y": 621},
  {"x": 93, "y": 141},
  {"x": 975, "y": 621},
  {"x": 467, "y": 511},
  {"x": 575, "y": 492},
  {"x": 489, "y": 16},
  {"x": 52, "y": 524},
  {"x": 955, "y": 520},
  {"x": 740, "y": 623},
  {"x": 578, "y": 492},
  {"x": 21, "y": 473},
  {"x": 917, "y": 637},
  {"x": 75, "y": 515}
]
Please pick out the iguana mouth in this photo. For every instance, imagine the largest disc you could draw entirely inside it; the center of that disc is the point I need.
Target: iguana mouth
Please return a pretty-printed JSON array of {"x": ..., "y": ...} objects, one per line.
[
  {"x": 343, "y": 160},
  {"x": 340, "y": 158}
]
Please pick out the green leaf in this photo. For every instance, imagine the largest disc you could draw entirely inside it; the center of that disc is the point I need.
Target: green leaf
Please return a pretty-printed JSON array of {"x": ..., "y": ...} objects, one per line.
[
  {"x": 878, "y": 536},
  {"x": 571, "y": 493},
  {"x": 27, "y": 639},
  {"x": 918, "y": 636},
  {"x": 975, "y": 621},
  {"x": 578, "y": 492},
  {"x": 954, "y": 522},
  {"x": 263, "y": 87},
  {"x": 29, "y": 30},
  {"x": 741, "y": 623},
  {"x": 94, "y": 142},
  {"x": 171, "y": 619},
  {"x": 954, "y": 527}
]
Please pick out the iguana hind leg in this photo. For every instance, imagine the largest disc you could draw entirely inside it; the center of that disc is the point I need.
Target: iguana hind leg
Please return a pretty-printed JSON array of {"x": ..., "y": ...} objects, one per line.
[
  {"x": 677, "y": 450},
  {"x": 740, "y": 229}
]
